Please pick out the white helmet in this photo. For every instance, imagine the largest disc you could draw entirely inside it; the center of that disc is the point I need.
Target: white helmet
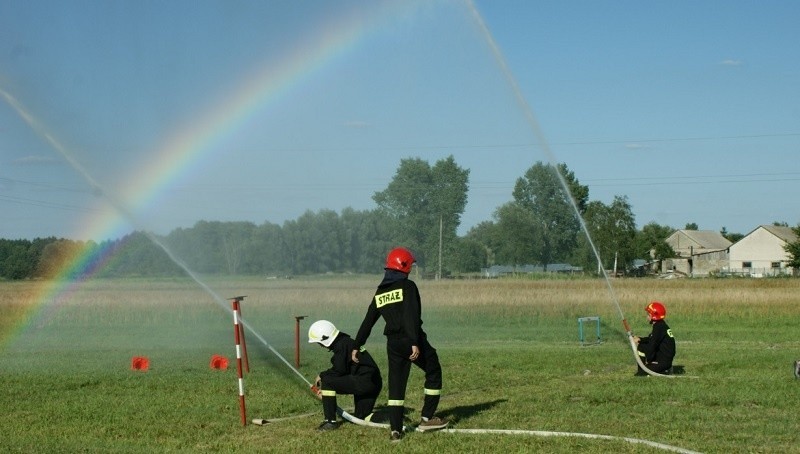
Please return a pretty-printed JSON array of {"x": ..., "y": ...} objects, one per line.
[{"x": 322, "y": 331}]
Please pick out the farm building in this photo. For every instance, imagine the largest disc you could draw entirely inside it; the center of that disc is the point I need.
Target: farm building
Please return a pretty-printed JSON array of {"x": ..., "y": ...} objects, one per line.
[
  {"x": 761, "y": 252},
  {"x": 697, "y": 252}
]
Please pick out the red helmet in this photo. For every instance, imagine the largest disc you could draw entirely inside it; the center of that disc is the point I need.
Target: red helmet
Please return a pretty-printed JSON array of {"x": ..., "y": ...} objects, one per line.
[
  {"x": 400, "y": 259},
  {"x": 656, "y": 311}
]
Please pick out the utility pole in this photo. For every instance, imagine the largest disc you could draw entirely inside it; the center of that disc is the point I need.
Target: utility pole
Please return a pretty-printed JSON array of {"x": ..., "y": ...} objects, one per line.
[{"x": 439, "y": 274}]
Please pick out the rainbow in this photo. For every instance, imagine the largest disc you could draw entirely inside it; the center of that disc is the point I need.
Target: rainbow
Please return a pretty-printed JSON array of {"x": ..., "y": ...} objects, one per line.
[{"x": 185, "y": 150}]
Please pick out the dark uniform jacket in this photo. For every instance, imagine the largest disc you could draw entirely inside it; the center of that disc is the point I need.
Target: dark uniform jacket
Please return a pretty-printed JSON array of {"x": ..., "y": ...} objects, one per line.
[
  {"x": 342, "y": 363},
  {"x": 659, "y": 346},
  {"x": 397, "y": 300}
]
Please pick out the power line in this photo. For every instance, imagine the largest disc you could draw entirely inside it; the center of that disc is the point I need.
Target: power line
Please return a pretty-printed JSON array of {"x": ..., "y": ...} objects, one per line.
[
  {"x": 704, "y": 179},
  {"x": 696, "y": 179},
  {"x": 681, "y": 139},
  {"x": 703, "y": 182},
  {"x": 522, "y": 145},
  {"x": 46, "y": 204},
  {"x": 742, "y": 175},
  {"x": 45, "y": 185}
]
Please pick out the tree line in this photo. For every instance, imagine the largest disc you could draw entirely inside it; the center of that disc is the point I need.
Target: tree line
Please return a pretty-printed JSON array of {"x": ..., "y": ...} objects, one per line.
[{"x": 420, "y": 208}]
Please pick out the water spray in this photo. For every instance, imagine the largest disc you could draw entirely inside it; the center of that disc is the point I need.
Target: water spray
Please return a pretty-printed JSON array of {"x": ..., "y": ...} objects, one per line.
[
  {"x": 98, "y": 189},
  {"x": 544, "y": 145},
  {"x": 117, "y": 204},
  {"x": 239, "y": 323}
]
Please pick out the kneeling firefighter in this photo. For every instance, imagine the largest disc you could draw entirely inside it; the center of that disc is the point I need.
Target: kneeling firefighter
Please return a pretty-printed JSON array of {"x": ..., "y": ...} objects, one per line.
[
  {"x": 657, "y": 350},
  {"x": 361, "y": 379}
]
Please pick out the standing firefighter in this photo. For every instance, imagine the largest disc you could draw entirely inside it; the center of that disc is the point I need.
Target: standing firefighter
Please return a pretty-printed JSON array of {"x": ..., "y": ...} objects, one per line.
[
  {"x": 397, "y": 300},
  {"x": 362, "y": 379},
  {"x": 657, "y": 350}
]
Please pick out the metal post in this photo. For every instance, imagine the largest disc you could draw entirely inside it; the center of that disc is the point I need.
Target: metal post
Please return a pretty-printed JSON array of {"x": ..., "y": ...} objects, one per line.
[
  {"x": 439, "y": 274},
  {"x": 297, "y": 319},
  {"x": 595, "y": 319}
]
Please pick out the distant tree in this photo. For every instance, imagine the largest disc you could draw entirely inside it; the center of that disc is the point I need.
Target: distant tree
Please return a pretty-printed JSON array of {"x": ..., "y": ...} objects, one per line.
[
  {"x": 134, "y": 254},
  {"x": 422, "y": 199},
  {"x": 236, "y": 242},
  {"x": 691, "y": 226},
  {"x": 517, "y": 237},
  {"x": 793, "y": 249},
  {"x": 18, "y": 259},
  {"x": 469, "y": 256},
  {"x": 613, "y": 231},
  {"x": 55, "y": 257},
  {"x": 313, "y": 242},
  {"x": 264, "y": 255},
  {"x": 650, "y": 242},
  {"x": 368, "y": 239},
  {"x": 732, "y": 237},
  {"x": 541, "y": 191},
  {"x": 201, "y": 246},
  {"x": 780, "y": 224},
  {"x": 35, "y": 252},
  {"x": 328, "y": 240},
  {"x": 486, "y": 234}
]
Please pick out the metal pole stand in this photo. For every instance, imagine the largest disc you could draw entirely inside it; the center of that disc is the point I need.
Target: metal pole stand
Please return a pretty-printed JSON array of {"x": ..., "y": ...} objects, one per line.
[
  {"x": 581, "y": 321},
  {"x": 297, "y": 319}
]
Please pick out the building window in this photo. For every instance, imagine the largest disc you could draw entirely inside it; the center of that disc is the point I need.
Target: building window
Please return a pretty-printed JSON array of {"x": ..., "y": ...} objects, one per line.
[
  {"x": 776, "y": 265},
  {"x": 747, "y": 264}
]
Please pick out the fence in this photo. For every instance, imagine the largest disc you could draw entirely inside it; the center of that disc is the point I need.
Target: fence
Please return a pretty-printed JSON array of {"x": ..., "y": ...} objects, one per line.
[{"x": 756, "y": 272}]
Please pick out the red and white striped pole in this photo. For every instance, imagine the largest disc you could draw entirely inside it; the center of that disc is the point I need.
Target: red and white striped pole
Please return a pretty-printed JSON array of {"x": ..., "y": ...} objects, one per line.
[
  {"x": 236, "y": 335},
  {"x": 242, "y": 339}
]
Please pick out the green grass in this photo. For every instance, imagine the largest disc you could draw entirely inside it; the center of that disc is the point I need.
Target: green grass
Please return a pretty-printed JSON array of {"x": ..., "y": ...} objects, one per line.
[{"x": 509, "y": 349}]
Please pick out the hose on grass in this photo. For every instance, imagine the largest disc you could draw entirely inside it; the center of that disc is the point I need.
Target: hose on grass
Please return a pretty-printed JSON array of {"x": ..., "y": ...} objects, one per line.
[
  {"x": 538, "y": 433},
  {"x": 543, "y": 433}
]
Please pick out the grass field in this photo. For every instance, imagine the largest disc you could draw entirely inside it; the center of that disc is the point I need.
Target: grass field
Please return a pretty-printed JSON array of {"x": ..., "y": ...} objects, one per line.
[{"x": 509, "y": 349}]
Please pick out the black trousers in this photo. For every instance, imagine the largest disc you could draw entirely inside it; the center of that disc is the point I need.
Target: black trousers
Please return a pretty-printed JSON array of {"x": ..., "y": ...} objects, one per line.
[
  {"x": 663, "y": 368},
  {"x": 398, "y": 351},
  {"x": 365, "y": 389},
  {"x": 655, "y": 367}
]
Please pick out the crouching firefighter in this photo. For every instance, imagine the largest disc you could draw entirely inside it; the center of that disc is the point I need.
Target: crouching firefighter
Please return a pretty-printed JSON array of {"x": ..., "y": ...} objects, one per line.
[
  {"x": 657, "y": 350},
  {"x": 361, "y": 379}
]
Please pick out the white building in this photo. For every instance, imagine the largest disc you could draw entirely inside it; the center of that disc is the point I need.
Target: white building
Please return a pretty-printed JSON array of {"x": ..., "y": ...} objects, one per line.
[{"x": 761, "y": 252}]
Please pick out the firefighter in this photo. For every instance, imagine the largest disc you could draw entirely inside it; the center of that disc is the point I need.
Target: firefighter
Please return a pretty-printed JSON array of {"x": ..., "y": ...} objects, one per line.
[
  {"x": 397, "y": 300},
  {"x": 361, "y": 379},
  {"x": 657, "y": 350}
]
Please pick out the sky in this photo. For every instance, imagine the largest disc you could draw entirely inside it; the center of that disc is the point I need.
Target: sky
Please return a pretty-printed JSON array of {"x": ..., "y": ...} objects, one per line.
[{"x": 144, "y": 115}]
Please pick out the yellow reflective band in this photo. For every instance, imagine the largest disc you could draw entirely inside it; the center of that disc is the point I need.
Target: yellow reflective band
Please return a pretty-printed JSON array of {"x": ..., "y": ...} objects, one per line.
[
  {"x": 328, "y": 393},
  {"x": 393, "y": 296},
  {"x": 641, "y": 354},
  {"x": 396, "y": 403},
  {"x": 433, "y": 392}
]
